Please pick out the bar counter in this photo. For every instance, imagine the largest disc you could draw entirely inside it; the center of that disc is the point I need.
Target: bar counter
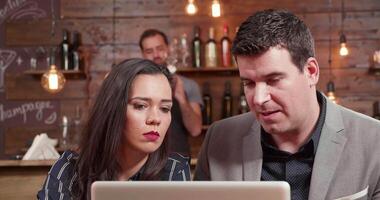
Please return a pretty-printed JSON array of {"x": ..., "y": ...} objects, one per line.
[{"x": 21, "y": 179}]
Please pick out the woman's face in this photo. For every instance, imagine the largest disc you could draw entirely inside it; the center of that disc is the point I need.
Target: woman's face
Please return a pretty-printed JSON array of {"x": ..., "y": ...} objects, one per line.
[{"x": 148, "y": 113}]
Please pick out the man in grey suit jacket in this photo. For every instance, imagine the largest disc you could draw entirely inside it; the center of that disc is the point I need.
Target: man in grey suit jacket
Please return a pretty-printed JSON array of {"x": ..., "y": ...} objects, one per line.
[{"x": 293, "y": 132}]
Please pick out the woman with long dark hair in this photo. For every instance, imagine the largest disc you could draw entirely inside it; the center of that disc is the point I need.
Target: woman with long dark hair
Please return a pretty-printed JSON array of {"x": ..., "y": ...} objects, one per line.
[{"x": 125, "y": 137}]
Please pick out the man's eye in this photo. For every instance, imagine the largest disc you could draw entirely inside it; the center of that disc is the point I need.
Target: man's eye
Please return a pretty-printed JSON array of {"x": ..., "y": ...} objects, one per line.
[
  {"x": 248, "y": 83},
  {"x": 273, "y": 81}
]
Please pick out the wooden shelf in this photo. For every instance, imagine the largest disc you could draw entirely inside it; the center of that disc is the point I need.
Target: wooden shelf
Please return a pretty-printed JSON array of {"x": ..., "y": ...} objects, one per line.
[
  {"x": 69, "y": 74},
  {"x": 374, "y": 71},
  {"x": 26, "y": 163}
]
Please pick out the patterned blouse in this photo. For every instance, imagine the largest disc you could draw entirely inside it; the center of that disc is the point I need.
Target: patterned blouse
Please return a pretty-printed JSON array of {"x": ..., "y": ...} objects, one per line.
[{"x": 59, "y": 182}]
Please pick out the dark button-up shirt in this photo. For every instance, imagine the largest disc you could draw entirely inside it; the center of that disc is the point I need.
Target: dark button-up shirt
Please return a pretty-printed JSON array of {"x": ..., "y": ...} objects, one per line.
[
  {"x": 60, "y": 179},
  {"x": 296, "y": 169}
]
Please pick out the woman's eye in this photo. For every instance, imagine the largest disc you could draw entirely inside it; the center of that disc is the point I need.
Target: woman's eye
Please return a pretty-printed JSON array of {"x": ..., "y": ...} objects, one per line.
[
  {"x": 139, "y": 106},
  {"x": 165, "y": 109}
]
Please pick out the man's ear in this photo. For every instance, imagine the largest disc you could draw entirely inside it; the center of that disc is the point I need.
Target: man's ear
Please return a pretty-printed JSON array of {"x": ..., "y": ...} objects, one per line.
[{"x": 311, "y": 71}]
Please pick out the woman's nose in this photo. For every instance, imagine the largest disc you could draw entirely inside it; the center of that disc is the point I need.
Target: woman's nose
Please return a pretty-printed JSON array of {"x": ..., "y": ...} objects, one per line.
[{"x": 153, "y": 117}]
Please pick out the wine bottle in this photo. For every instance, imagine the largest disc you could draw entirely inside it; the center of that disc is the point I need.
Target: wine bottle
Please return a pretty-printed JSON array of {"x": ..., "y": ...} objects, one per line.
[
  {"x": 65, "y": 51},
  {"x": 76, "y": 61},
  {"x": 376, "y": 111},
  {"x": 207, "y": 109},
  {"x": 243, "y": 105},
  {"x": 197, "y": 48},
  {"x": 211, "y": 59},
  {"x": 227, "y": 100},
  {"x": 226, "y": 48},
  {"x": 234, "y": 64},
  {"x": 184, "y": 51}
]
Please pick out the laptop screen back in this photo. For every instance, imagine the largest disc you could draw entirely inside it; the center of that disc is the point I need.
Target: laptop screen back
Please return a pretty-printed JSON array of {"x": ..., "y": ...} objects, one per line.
[{"x": 202, "y": 190}]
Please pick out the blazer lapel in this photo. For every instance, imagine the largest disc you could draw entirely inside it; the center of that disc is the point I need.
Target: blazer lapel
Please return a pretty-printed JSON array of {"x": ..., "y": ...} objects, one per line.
[
  {"x": 330, "y": 147},
  {"x": 252, "y": 153}
]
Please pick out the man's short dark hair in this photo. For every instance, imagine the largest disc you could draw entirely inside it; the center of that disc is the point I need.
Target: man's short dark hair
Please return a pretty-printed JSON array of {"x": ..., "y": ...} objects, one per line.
[
  {"x": 271, "y": 28},
  {"x": 150, "y": 33}
]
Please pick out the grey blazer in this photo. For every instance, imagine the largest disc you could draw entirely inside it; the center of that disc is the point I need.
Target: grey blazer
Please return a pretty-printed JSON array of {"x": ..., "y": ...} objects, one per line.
[{"x": 346, "y": 165}]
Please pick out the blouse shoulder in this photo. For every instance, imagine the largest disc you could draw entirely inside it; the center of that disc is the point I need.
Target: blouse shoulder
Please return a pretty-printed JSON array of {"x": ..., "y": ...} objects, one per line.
[
  {"x": 60, "y": 178},
  {"x": 177, "y": 168}
]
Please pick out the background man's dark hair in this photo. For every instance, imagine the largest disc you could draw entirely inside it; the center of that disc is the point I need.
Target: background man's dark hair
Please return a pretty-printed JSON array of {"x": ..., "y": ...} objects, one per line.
[
  {"x": 152, "y": 32},
  {"x": 271, "y": 28}
]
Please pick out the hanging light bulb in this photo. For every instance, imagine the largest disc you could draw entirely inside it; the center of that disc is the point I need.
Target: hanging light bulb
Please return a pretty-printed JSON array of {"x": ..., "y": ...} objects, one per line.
[
  {"x": 331, "y": 91},
  {"x": 215, "y": 8},
  {"x": 343, "y": 51},
  {"x": 191, "y": 8},
  {"x": 53, "y": 80}
]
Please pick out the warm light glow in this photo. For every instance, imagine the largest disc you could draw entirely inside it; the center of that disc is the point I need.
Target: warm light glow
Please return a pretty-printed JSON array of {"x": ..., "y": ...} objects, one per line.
[
  {"x": 331, "y": 91},
  {"x": 191, "y": 8},
  {"x": 331, "y": 96},
  {"x": 53, "y": 80},
  {"x": 215, "y": 8},
  {"x": 343, "y": 49}
]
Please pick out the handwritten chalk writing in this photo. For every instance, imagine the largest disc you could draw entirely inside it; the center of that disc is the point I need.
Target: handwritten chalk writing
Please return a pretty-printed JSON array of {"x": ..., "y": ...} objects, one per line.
[
  {"x": 24, "y": 109},
  {"x": 51, "y": 119},
  {"x": 10, "y": 6}
]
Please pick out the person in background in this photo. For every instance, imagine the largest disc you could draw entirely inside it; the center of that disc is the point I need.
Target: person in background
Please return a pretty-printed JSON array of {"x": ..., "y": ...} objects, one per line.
[
  {"x": 186, "y": 112},
  {"x": 293, "y": 132},
  {"x": 126, "y": 135}
]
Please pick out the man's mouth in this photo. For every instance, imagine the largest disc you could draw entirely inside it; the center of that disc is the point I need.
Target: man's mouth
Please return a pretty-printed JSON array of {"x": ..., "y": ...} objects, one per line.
[{"x": 267, "y": 113}]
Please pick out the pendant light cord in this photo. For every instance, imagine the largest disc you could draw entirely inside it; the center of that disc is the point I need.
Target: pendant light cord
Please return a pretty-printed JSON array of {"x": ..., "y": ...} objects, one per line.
[{"x": 113, "y": 32}]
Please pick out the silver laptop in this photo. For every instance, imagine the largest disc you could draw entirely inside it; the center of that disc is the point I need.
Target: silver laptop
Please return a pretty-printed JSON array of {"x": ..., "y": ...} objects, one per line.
[{"x": 191, "y": 190}]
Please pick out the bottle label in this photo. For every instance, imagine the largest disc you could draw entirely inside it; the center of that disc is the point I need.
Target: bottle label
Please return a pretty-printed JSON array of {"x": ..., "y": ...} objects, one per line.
[
  {"x": 226, "y": 54},
  {"x": 211, "y": 59},
  {"x": 197, "y": 54},
  {"x": 65, "y": 56}
]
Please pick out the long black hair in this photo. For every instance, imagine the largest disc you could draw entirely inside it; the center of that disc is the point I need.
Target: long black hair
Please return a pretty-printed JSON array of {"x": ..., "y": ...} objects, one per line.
[{"x": 102, "y": 137}]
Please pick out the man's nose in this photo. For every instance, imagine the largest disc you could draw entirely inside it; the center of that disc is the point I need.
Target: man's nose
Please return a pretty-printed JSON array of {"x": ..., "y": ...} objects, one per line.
[
  {"x": 156, "y": 54},
  {"x": 261, "y": 94}
]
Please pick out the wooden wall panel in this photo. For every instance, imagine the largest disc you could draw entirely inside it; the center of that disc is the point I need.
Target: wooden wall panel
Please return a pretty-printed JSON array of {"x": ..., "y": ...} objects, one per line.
[
  {"x": 18, "y": 139},
  {"x": 355, "y": 88},
  {"x": 152, "y": 8},
  {"x": 38, "y": 33},
  {"x": 28, "y": 87}
]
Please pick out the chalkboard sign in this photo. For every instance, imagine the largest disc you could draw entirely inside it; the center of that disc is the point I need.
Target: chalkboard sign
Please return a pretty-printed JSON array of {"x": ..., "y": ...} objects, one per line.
[{"x": 24, "y": 113}]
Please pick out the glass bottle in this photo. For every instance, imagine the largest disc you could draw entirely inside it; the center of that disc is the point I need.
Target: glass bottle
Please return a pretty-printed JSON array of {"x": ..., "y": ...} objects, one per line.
[
  {"x": 376, "y": 111},
  {"x": 211, "y": 59},
  {"x": 227, "y": 100},
  {"x": 197, "y": 48},
  {"x": 207, "y": 100},
  {"x": 243, "y": 105},
  {"x": 226, "y": 48},
  {"x": 65, "y": 50}
]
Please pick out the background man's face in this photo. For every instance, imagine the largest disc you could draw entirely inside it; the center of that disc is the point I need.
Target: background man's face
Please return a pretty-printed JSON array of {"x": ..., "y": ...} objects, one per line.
[{"x": 155, "y": 49}]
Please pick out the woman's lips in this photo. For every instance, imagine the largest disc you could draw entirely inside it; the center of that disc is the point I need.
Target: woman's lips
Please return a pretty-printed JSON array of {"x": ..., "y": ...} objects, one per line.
[{"x": 152, "y": 136}]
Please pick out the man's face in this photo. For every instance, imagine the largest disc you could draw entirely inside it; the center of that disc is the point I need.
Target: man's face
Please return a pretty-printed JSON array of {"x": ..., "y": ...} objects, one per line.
[
  {"x": 155, "y": 49},
  {"x": 277, "y": 92}
]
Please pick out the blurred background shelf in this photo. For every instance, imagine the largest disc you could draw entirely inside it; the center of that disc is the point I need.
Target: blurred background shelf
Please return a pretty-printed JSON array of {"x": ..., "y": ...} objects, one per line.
[{"x": 69, "y": 74}]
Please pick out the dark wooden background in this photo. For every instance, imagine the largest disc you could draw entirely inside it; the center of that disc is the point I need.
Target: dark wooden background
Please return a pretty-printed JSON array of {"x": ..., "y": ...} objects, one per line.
[{"x": 356, "y": 88}]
